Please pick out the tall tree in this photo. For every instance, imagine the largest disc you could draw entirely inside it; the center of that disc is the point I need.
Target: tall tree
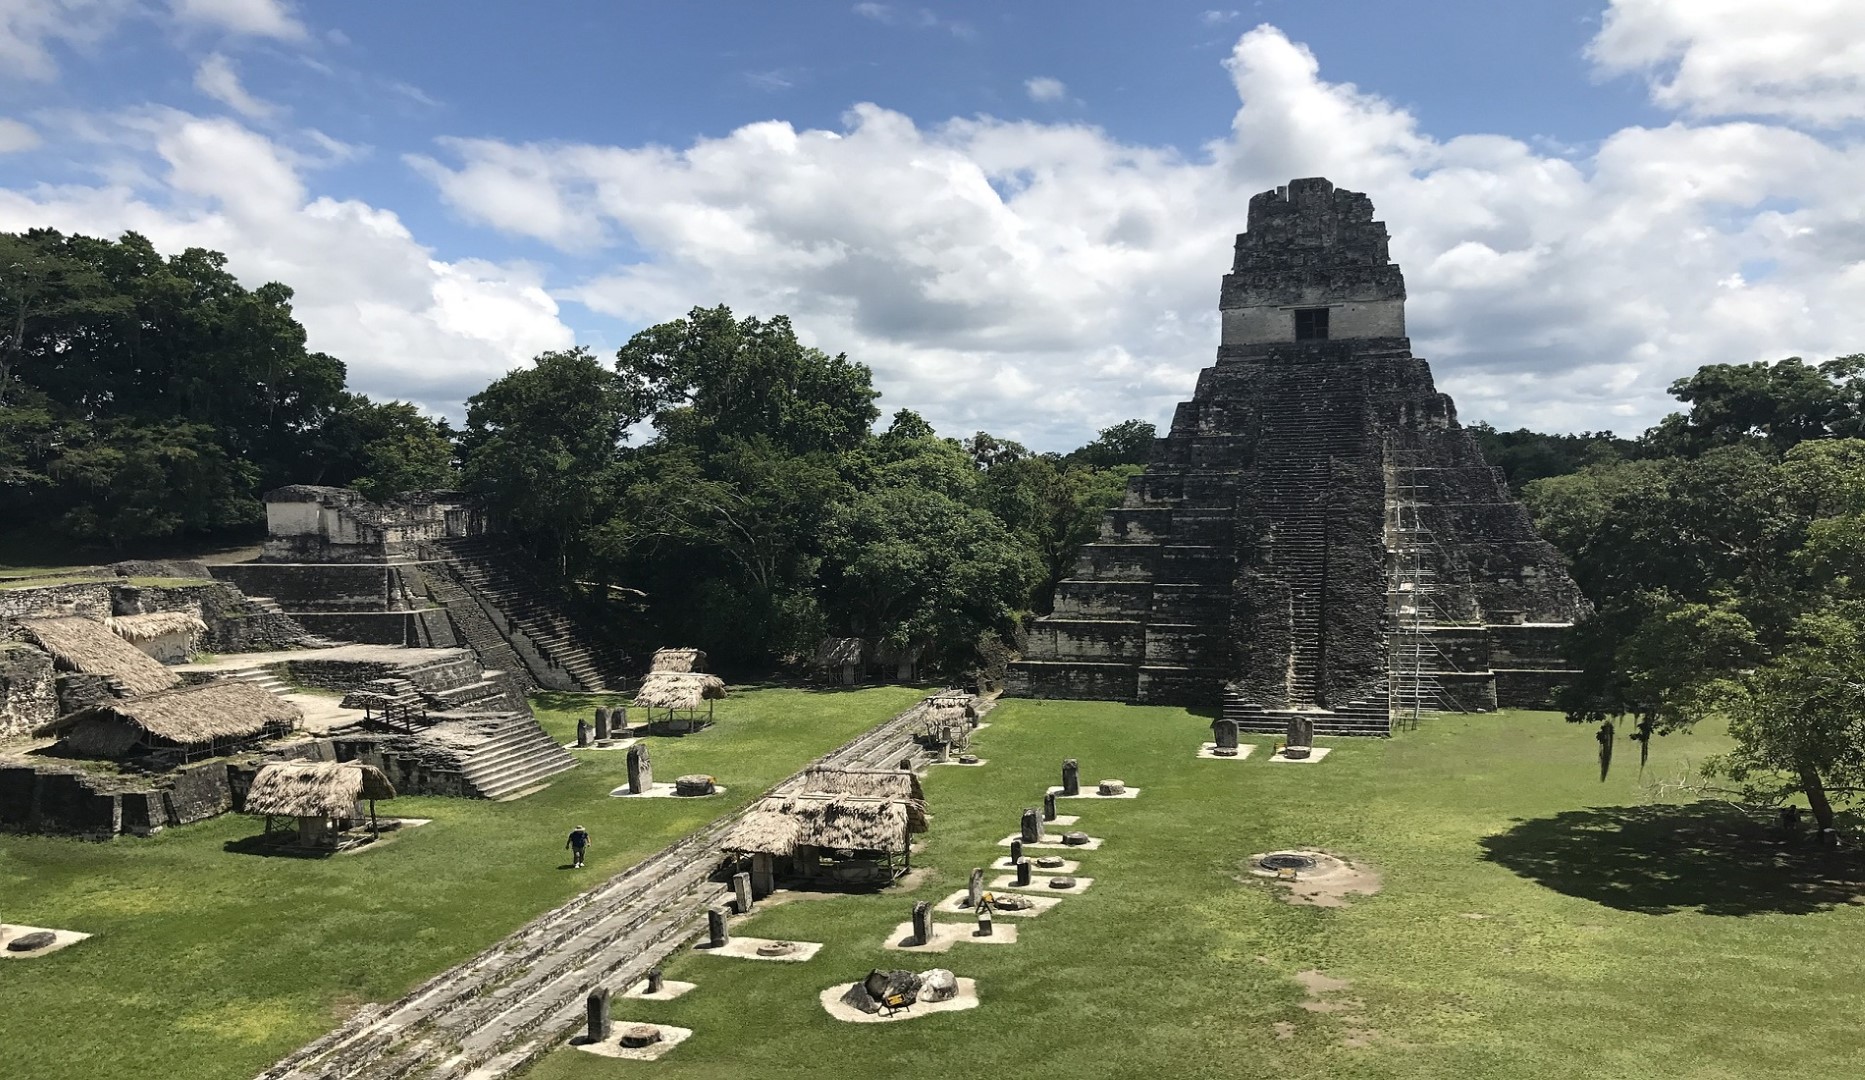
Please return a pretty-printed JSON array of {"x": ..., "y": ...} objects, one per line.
[{"x": 543, "y": 442}]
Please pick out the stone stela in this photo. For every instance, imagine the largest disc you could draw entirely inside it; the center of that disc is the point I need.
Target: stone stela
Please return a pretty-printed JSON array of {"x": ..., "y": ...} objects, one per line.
[
  {"x": 1316, "y": 532},
  {"x": 640, "y": 771}
]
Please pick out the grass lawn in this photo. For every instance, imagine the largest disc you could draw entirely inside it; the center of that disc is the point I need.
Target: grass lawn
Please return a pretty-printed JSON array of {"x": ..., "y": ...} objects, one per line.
[
  {"x": 208, "y": 964},
  {"x": 1534, "y": 922}
]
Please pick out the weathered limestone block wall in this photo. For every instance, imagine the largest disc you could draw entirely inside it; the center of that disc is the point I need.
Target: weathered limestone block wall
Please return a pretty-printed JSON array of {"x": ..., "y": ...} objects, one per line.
[
  {"x": 52, "y": 798},
  {"x": 235, "y": 622},
  {"x": 87, "y": 598},
  {"x": 309, "y": 523},
  {"x": 28, "y": 688},
  {"x": 312, "y": 587},
  {"x": 66, "y": 802}
]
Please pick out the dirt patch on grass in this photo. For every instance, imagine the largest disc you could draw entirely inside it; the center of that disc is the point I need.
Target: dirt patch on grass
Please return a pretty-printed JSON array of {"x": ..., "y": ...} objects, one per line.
[
  {"x": 1322, "y": 998},
  {"x": 1329, "y": 883}
]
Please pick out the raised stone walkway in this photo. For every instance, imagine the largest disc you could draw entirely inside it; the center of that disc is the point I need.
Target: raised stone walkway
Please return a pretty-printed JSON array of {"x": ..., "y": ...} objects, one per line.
[{"x": 501, "y": 1010}]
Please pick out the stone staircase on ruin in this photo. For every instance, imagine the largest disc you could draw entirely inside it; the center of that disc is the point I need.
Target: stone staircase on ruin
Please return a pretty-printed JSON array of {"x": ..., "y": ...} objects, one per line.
[
  {"x": 495, "y": 571},
  {"x": 517, "y": 756},
  {"x": 475, "y": 627}
]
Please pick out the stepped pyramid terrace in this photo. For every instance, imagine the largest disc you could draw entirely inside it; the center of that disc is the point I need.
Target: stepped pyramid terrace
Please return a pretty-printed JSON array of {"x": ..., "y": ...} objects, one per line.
[{"x": 1316, "y": 536}]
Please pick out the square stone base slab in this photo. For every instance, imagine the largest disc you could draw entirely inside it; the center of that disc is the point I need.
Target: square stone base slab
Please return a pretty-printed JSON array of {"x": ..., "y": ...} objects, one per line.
[
  {"x": 954, "y": 905},
  {"x": 662, "y": 791},
  {"x": 613, "y": 1048},
  {"x": 832, "y": 1004},
  {"x": 668, "y": 991},
  {"x": 746, "y": 948},
  {"x": 1088, "y": 792},
  {"x": 612, "y": 744},
  {"x": 1243, "y": 751},
  {"x": 946, "y": 934},
  {"x": 1068, "y": 866},
  {"x": 980, "y": 763},
  {"x": 1315, "y": 753},
  {"x": 61, "y": 939},
  {"x": 1039, "y": 884},
  {"x": 1053, "y": 841}
]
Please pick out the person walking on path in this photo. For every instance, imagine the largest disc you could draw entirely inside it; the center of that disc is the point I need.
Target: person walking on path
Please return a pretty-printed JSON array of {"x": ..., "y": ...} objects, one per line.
[{"x": 579, "y": 839}]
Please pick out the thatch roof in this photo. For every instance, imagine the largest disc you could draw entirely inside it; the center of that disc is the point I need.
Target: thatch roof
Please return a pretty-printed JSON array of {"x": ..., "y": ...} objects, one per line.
[
  {"x": 838, "y": 651},
  {"x": 135, "y": 628},
  {"x": 315, "y": 788},
  {"x": 846, "y": 809},
  {"x": 950, "y": 707},
  {"x": 678, "y": 690},
  {"x": 88, "y": 646},
  {"x": 678, "y": 660},
  {"x": 189, "y": 716},
  {"x": 778, "y": 824},
  {"x": 866, "y": 783}
]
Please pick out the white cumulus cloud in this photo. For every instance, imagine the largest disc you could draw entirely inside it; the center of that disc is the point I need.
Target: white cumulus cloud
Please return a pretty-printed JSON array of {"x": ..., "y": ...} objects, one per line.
[
  {"x": 1041, "y": 280},
  {"x": 1803, "y": 60},
  {"x": 30, "y": 28},
  {"x": 1045, "y": 88},
  {"x": 253, "y": 18},
  {"x": 408, "y": 324},
  {"x": 16, "y": 135},
  {"x": 217, "y": 79}
]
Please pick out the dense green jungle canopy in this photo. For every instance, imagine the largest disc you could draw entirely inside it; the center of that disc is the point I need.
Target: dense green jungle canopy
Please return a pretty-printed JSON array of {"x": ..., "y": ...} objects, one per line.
[
  {"x": 716, "y": 466},
  {"x": 733, "y": 480}
]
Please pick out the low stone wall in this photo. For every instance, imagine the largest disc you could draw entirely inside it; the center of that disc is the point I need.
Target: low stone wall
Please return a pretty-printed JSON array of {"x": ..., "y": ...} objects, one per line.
[
  {"x": 59, "y": 802},
  {"x": 365, "y": 627},
  {"x": 56, "y": 799},
  {"x": 87, "y": 598},
  {"x": 28, "y": 689},
  {"x": 303, "y": 587}
]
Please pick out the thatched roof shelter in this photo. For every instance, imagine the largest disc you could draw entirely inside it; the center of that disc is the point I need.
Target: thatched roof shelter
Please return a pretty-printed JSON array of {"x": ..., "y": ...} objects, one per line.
[
  {"x": 686, "y": 690},
  {"x": 678, "y": 660},
  {"x": 951, "y": 707},
  {"x": 778, "y": 825},
  {"x": 860, "y": 810},
  {"x": 88, "y": 646},
  {"x": 191, "y": 719},
  {"x": 315, "y": 788},
  {"x": 837, "y": 652},
  {"x": 140, "y": 628},
  {"x": 865, "y": 783}
]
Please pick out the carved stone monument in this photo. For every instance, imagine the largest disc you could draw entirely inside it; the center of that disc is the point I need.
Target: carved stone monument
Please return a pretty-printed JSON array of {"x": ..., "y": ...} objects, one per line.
[
  {"x": 1224, "y": 741},
  {"x": 717, "y": 932},
  {"x": 1049, "y": 806},
  {"x": 654, "y": 980},
  {"x": 1301, "y": 731},
  {"x": 602, "y": 725},
  {"x": 974, "y": 892},
  {"x": 1032, "y": 829},
  {"x": 1023, "y": 871},
  {"x": 1071, "y": 777},
  {"x": 922, "y": 922},
  {"x": 741, "y": 892},
  {"x": 596, "y": 1006},
  {"x": 640, "y": 770},
  {"x": 582, "y": 731},
  {"x": 1016, "y": 849}
]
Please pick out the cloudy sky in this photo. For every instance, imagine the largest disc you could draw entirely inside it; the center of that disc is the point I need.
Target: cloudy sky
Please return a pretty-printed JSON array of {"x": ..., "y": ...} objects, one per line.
[{"x": 1016, "y": 211}]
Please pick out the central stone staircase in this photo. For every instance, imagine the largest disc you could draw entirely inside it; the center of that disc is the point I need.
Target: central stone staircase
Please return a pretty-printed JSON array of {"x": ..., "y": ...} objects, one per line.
[{"x": 494, "y": 572}]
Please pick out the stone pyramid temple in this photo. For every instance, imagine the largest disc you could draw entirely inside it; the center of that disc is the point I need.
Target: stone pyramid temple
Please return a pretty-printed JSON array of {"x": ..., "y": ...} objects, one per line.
[{"x": 1316, "y": 536}]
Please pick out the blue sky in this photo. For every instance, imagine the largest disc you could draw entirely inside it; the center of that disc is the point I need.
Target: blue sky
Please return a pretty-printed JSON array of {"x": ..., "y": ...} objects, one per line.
[{"x": 1016, "y": 212}]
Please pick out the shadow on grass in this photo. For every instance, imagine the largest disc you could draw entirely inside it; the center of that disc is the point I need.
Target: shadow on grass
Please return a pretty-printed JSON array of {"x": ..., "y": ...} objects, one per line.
[{"x": 1705, "y": 857}]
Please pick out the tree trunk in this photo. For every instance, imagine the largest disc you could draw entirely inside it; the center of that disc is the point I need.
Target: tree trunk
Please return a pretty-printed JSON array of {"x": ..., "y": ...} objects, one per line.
[{"x": 1815, "y": 788}]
